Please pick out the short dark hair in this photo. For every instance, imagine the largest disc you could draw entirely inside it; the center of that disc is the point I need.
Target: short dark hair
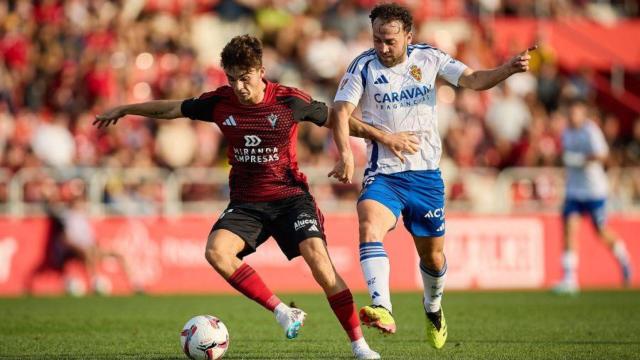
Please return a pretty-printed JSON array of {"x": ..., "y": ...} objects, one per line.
[
  {"x": 391, "y": 12},
  {"x": 244, "y": 52}
]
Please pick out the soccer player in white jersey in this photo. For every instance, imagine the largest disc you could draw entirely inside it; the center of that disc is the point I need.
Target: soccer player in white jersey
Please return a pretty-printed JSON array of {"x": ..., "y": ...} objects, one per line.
[
  {"x": 394, "y": 84},
  {"x": 584, "y": 151}
]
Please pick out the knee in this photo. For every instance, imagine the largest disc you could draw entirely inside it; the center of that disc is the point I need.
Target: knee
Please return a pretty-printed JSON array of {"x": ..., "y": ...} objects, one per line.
[
  {"x": 216, "y": 257},
  {"x": 433, "y": 260},
  {"x": 320, "y": 265},
  {"x": 370, "y": 231}
]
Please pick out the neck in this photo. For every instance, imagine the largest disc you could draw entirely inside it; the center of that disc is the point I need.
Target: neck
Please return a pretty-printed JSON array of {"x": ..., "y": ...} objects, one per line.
[
  {"x": 258, "y": 97},
  {"x": 395, "y": 61}
]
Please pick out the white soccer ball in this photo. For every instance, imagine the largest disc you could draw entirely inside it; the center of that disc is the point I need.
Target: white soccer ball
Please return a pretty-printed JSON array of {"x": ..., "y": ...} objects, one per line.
[{"x": 204, "y": 337}]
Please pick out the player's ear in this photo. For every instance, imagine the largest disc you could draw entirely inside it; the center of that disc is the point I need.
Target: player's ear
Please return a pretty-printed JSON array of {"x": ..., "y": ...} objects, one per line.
[
  {"x": 261, "y": 72},
  {"x": 409, "y": 37}
]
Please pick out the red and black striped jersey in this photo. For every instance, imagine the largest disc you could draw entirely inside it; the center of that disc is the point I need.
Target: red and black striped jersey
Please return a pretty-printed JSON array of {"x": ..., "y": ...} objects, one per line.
[{"x": 261, "y": 138}]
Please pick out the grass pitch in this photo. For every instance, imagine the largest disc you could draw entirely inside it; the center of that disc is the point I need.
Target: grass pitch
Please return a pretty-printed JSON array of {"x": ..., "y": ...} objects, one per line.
[{"x": 482, "y": 325}]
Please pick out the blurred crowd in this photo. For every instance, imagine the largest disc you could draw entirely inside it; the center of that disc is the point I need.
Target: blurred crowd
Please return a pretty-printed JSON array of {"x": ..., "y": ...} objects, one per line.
[{"x": 63, "y": 61}]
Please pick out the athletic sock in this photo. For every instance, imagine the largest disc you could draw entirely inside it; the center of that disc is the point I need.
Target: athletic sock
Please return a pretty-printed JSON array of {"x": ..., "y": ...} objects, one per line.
[
  {"x": 249, "y": 283},
  {"x": 569, "y": 264},
  {"x": 343, "y": 306},
  {"x": 433, "y": 282},
  {"x": 375, "y": 268},
  {"x": 361, "y": 343},
  {"x": 621, "y": 254}
]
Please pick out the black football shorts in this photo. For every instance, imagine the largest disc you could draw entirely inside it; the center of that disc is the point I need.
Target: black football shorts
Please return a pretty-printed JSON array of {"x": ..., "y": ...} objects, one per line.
[{"x": 290, "y": 221}]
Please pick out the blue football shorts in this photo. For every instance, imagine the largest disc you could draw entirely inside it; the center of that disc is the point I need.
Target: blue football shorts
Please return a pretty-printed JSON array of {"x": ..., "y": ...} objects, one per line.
[
  {"x": 417, "y": 195},
  {"x": 596, "y": 209}
]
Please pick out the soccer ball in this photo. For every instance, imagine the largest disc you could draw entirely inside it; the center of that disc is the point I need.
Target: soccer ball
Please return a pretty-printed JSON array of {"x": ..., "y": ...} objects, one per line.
[{"x": 204, "y": 337}]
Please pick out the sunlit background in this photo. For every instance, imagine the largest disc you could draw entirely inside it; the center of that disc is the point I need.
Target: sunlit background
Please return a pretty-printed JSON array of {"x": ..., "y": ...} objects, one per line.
[{"x": 153, "y": 188}]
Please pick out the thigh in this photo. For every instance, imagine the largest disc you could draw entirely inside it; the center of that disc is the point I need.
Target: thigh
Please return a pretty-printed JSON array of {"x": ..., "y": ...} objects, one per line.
[
  {"x": 376, "y": 217},
  {"x": 246, "y": 222},
  {"x": 569, "y": 208},
  {"x": 380, "y": 204},
  {"x": 227, "y": 242},
  {"x": 424, "y": 214},
  {"x": 296, "y": 220},
  {"x": 597, "y": 210},
  {"x": 384, "y": 190}
]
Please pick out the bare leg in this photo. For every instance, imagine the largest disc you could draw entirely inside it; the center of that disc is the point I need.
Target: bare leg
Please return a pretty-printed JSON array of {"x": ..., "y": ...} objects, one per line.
[{"x": 375, "y": 220}]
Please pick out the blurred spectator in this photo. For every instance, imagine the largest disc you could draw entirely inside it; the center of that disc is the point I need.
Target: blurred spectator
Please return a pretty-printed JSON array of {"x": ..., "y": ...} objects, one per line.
[
  {"x": 71, "y": 236},
  {"x": 53, "y": 142},
  {"x": 549, "y": 87},
  {"x": 632, "y": 150},
  {"x": 508, "y": 116}
]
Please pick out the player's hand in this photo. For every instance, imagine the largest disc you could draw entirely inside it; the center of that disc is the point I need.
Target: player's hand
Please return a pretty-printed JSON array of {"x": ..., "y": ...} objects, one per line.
[
  {"x": 401, "y": 143},
  {"x": 109, "y": 117},
  {"x": 343, "y": 171},
  {"x": 520, "y": 62}
]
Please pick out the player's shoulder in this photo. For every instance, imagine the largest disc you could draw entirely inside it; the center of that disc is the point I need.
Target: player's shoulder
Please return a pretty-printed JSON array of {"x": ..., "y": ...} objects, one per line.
[
  {"x": 422, "y": 50},
  {"x": 359, "y": 61},
  {"x": 283, "y": 92}
]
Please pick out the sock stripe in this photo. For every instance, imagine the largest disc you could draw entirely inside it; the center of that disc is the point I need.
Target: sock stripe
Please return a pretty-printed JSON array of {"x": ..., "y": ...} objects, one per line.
[
  {"x": 345, "y": 294},
  {"x": 340, "y": 303},
  {"x": 248, "y": 282},
  {"x": 341, "y": 299},
  {"x": 242, "y": 273},
  {"x": 370, "y": 244},
  {"x": 371, "y": 250},
  {"x": 243, "y": 276},
  {"x": 362, "y": 258},
  {"x": 373, "y": 253},
  {"x": 434, "y": 273},
  {"x": 341, "y": 295},
  {"x": 366, "y": 251}
]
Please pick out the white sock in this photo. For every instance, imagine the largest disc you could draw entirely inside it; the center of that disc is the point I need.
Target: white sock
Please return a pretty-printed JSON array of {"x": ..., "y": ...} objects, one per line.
[
  {"x": 360, "y": 343},
  {"x": 282, "y": 313},
  {"x": 620, "y": 252},
  {"x": 569, "y": 264},
  {"x": 375, "y": 268},
  {"x": 433, "y": 282}
]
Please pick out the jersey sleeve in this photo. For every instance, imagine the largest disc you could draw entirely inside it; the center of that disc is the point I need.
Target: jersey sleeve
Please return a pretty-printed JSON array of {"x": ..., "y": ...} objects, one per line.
[
  {"x": 449, "y": 68},
  {"x": 304, "y": 108},
  {"x": 598, "y": 143},
  {"x": 200, "y": 108},
  {"x": 351, "y": 86}
]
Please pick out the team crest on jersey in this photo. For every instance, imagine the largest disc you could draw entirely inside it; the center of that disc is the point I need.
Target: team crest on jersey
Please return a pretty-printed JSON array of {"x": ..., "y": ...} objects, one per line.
[
  {"x": 415, "y": 72},
  {"x": 273, "y": 118}
]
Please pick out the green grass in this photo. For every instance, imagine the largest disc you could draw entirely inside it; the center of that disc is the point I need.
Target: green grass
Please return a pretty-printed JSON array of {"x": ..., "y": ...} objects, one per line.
[{"x": 482, "y": 325}]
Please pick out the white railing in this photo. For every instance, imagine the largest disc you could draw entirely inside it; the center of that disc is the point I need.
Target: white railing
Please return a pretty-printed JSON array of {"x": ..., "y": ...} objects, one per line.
[{"x": 158, "y": 191}]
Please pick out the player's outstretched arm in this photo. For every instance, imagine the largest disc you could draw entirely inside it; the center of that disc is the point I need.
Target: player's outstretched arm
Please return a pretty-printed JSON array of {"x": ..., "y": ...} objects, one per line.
[
  {"x": 486, "y": 79},
  {"x": 158, "y": 109},
  {"x": 399, "y": 143}
]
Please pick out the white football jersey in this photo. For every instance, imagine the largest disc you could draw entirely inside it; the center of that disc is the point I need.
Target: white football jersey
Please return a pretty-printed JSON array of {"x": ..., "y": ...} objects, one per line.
[
  {"x": 587, "y": 182},
  {"x": 400, "y": 98}
]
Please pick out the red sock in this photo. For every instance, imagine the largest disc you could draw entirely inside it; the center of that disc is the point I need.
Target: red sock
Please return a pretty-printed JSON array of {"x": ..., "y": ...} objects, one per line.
[
  {"x": 249, "y": 283},
  {"x": 345, "y": 310}
]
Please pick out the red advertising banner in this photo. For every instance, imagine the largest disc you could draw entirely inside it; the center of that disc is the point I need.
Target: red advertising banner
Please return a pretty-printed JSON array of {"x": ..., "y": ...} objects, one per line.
[{"x": 166, "y": 255}]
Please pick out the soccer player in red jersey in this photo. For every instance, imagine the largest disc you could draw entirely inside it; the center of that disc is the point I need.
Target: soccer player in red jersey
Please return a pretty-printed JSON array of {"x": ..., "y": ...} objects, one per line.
[{"x": 269, "y": 195}]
